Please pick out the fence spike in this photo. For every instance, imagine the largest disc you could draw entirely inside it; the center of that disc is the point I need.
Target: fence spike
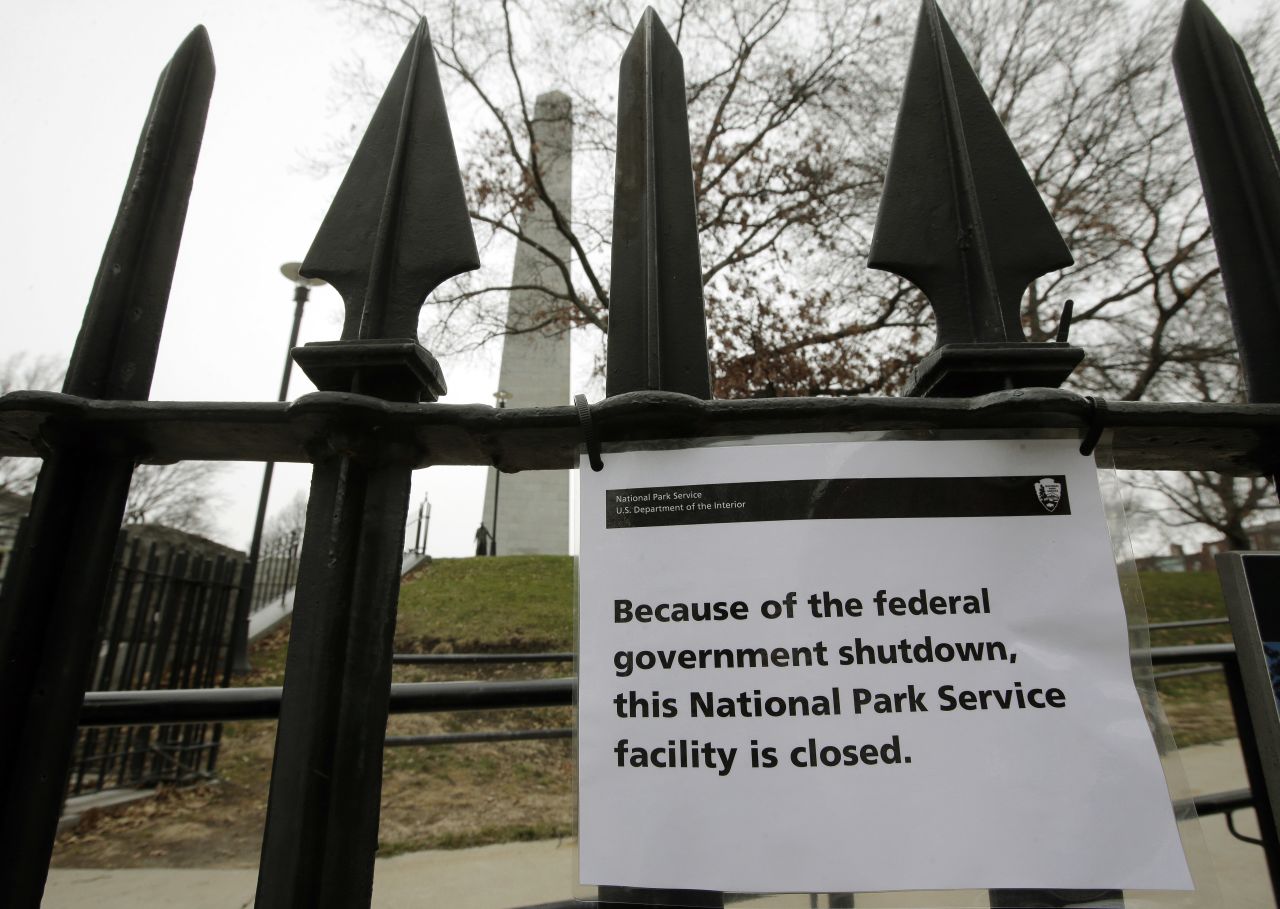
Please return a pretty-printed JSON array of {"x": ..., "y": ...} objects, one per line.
[
  {"x": 959, "y": 216},
  {"x": 115, "y": 354},
  {"x": 398, "y": 225},
  {"x": 1239, "y": 166},
  {"x": 397, "y": 228},
  {"x": 49, "y": 615},
  {"x": 657, "y": 327}
]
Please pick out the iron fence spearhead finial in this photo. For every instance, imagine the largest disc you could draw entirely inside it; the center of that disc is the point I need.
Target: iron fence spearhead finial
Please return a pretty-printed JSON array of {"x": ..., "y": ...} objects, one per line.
[
  {"x": 115, "y": 353},
  {"x": 657, "y": 326},
  {"x": 959, "y": 216},
  {"x": 47, "y": 651},
  {"x": 398, "y": 225},
  {"x": 1239, "y": 165}
]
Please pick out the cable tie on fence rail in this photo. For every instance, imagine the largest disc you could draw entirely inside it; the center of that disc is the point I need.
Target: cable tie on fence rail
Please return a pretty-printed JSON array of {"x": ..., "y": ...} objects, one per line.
[
  {"x": 1097, "y": 423},
  {"x": 588, "y": 432}
]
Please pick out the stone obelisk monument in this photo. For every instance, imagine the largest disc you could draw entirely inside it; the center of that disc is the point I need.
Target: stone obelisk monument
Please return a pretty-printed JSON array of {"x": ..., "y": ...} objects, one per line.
[{"x": 533, "y": 507}]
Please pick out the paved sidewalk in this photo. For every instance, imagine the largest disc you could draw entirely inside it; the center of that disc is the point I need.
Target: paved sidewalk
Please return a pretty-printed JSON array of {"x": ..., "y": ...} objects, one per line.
[
  {"x": 523, "y": 874},
  {"x": 492, "y": 877},
  {"x": 1240, "y": 868}
]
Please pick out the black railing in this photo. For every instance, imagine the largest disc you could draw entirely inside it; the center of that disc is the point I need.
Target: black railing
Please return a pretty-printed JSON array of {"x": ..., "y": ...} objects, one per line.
[
  {"x": 166, "y": 626},
  {"x": 1224, "y": 656},
  {"x": 217, "y": 705},
  {"x": 398, "y": 227},
  {"x": 1186, "y": 623},
  {"x": 455, "y": 659},
  {"x": 277, "y": 572}
]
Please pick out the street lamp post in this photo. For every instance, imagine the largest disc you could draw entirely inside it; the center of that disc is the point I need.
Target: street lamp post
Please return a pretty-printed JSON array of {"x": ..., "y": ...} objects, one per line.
[
  {"x": 424, "y": 523},
  {"x": 502, "y": 396},
  {"x": 240, "y": 652}
]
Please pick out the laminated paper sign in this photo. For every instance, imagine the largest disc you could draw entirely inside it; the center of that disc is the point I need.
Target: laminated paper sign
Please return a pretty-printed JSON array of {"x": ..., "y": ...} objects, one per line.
[{"x": 860, "y": 666}]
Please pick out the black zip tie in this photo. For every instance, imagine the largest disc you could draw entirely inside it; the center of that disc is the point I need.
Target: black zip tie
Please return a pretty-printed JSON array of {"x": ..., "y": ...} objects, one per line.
[
  {"x": 1097, "y": 421},
  {"x": 1064, "y": 321},
  {"x": 588, "y": 432}
]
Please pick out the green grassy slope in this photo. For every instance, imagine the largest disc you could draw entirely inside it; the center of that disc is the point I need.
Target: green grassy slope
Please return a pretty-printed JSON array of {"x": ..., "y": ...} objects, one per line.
[
  {"x": 523, "y": 603},
  {"x": 1197, "y": 706}
]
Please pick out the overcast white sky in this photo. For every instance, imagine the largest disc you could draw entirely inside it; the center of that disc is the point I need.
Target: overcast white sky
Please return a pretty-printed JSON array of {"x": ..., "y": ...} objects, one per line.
[{"x": 78, "y": 76}]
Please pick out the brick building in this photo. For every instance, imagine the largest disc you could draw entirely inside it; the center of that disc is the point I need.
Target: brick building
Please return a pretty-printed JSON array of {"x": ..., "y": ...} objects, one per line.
[{"x": 1263, "y": 537}]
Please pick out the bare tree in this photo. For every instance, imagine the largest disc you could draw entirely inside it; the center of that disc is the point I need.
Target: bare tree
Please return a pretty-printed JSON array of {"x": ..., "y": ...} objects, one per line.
[
  {"x": 19, "y": 372},
  {"x": 1202, "y": 501},
  {"x": 181, "y": 496},
  {"x": 791, "y": 115},
  {"x": 287, "y": 523}
]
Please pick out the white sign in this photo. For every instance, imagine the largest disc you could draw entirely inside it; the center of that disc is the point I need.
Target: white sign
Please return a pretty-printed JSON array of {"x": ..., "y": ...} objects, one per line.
[{"x": 860, "y": 666}]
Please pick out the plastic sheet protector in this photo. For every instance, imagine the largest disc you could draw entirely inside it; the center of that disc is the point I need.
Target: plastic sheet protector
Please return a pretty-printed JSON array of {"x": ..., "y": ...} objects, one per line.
[{"x": 860, "y": 666}]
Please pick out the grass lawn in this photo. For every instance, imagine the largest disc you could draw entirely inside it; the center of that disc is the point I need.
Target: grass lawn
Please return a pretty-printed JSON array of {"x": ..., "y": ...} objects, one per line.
[
  {"x": 468, "y": 795},
  {"x": 524, "y": 603},
  {"x": 1197, "y": 706}
]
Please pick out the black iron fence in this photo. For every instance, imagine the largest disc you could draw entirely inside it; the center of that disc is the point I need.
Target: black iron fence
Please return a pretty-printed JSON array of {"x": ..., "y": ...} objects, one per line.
[
  {"x": 397, "y": 228},
  {"x": 166, "y": 625},
  {"x": 277, "y": 572},
  {"x": 419, "y": 522}
]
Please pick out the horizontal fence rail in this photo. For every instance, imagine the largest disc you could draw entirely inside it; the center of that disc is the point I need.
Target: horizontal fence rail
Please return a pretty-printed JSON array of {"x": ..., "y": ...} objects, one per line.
[
  {"x": 1189, "y": 623},
  {"x": 1183, "y": 673},
  {"x": 110, "y": 708},
  {"x": 1229, "y": 438},
  {"x": 117, "y": 708},
  {"x": 468, "y": 659},
  {"x": 470, "y": 738},
  {"x": 1220, "y": 802},
  {"x": 1182, "y": 654}
]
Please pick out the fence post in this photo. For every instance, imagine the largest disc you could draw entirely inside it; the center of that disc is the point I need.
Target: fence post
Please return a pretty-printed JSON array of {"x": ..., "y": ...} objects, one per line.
[
  {"x": 397, "y": 228},
  {"x": 1239, "y": 166},
  {"x": 657, "y": 325},
  {"x": 49, "y": 614},
  {"x": 973, "y": 261}
]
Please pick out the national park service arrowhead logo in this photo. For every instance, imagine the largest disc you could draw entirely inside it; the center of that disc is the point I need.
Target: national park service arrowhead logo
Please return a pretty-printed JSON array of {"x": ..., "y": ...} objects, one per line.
[{"x": 1049, "y": 492}]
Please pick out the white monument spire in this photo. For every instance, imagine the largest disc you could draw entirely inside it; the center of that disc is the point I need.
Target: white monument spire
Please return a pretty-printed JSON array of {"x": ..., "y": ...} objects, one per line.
[{"x": 533, "y": 507}]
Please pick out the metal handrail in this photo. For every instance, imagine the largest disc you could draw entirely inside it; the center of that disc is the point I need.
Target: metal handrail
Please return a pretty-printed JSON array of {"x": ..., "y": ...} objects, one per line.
[
  {"x": 1143, "y": 434},
  {"x": 1189, "y": 623},
  {"x": 118, "y": 708},
  {"x": 432, "y": 659},
  {"x": 469, "y": 738},
  {"x": 213, "y": 705}
]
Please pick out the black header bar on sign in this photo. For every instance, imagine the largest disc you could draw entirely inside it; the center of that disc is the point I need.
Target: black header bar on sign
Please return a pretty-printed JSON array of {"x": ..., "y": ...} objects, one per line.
[{"x": 865, "y": 498}]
